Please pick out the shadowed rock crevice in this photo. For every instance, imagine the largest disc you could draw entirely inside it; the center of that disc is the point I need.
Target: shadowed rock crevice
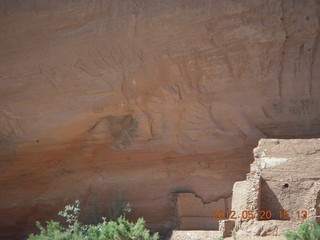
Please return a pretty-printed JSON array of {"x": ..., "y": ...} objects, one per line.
[{"x": 123, "y": 130}]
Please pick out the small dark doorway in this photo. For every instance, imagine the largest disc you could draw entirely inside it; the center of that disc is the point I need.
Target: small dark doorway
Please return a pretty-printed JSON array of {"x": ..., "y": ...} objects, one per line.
[{"x": 270, "y": 206}]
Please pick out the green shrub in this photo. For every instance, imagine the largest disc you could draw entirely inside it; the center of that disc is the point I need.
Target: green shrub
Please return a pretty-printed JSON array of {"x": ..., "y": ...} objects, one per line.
[
  {"x": 307, "y": 231},
  {"x": 54, "y": 231},
  {"x": 121, "y": 229}
]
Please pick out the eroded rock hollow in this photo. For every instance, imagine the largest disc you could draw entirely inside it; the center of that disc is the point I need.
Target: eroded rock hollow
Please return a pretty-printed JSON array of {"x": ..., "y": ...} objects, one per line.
[{"x": 146, "y": 98}]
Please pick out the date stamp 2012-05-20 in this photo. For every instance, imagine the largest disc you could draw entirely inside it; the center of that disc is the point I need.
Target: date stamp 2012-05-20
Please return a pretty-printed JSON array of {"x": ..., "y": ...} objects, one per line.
[{"x": 263, "y": 215}]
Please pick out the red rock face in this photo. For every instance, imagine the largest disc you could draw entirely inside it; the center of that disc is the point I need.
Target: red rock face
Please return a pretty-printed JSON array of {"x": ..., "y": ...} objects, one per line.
[{"x": 147, "y": 98}]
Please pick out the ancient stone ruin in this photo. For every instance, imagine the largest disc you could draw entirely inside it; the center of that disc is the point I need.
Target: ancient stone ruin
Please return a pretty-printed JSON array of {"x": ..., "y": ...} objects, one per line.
[
  {"x": 281, "y": 191},
  {"x": 193, "y": 213}
]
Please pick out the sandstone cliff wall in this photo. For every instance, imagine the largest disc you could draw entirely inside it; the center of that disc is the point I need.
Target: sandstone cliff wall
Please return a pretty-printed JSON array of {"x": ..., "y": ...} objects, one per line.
[{"x": 146, "y": 97}]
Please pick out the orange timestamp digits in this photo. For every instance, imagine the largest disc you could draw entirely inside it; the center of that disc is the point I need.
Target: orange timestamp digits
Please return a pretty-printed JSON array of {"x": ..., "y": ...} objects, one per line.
[
  {"x": 232, "y": 214},
  {"x": 298, "y": 214},
  {"x": 264, "y": 215},
  {"x": 223, "y": 214}
]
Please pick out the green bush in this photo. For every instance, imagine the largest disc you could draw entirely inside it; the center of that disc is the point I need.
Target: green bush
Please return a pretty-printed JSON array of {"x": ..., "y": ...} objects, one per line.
[
  {"x": 120, "y": 229},
  {"x": 54, "y": 231},
  {"x": 306, "y": 231}
]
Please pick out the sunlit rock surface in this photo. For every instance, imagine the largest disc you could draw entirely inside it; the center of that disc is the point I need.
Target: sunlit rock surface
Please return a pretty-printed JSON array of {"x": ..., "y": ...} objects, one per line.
[{"x": 146, "y": 98}]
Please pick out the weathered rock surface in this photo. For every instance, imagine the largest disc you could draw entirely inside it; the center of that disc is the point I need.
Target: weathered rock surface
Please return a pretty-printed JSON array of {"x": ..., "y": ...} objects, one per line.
[
  {"x": 146, "y": 97},
  {"x": 194, "y": 214}
]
